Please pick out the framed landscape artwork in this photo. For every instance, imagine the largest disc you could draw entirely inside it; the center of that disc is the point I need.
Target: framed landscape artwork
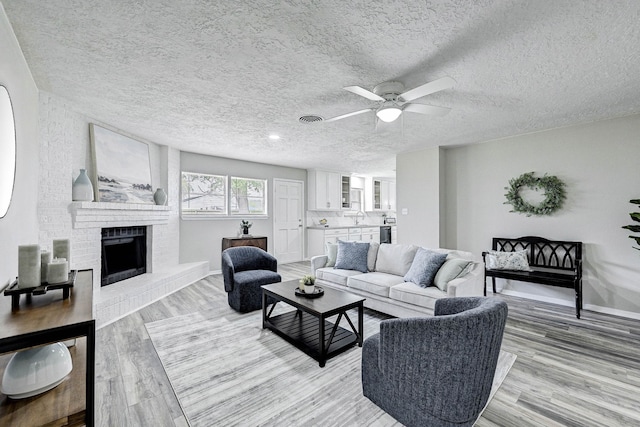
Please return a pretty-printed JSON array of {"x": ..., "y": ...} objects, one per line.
[{"x": 122, "y": 170}]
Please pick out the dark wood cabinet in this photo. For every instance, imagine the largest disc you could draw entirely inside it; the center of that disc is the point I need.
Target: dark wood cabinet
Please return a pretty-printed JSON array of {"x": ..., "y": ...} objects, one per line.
[{"x": 257, "y": 241}]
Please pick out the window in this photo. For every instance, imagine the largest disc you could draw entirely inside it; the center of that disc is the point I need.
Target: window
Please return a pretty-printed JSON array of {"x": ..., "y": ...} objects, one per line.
[
  {"x": 204, "y": 194},
  {"x": 221, "y": 196},
  {"x": 248, "y": 196}
]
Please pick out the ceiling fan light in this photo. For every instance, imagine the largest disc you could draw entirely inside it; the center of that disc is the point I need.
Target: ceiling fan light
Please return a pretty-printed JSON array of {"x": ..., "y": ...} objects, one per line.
[{"x": 388, "y": 114}]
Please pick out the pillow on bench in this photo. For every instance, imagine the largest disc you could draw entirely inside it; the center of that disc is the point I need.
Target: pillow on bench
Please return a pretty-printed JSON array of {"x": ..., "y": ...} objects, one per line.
[{"x": 508, "y": 261}]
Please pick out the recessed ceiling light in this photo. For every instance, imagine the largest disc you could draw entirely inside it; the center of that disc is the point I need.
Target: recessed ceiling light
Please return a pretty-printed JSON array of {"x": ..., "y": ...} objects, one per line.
[{"x": 274, "y": 137}]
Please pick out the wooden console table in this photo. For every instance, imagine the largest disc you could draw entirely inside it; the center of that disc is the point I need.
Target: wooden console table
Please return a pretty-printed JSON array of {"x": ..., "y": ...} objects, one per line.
[
  {"x": 258, "y": 241},
  {"x": 47, "y": 319}
]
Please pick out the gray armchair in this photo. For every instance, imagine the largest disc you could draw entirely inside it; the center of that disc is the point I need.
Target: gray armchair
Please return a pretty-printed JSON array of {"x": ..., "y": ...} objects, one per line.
[
  {"x": 436, "y": 371},
  {"x": 244, "y": 270}
]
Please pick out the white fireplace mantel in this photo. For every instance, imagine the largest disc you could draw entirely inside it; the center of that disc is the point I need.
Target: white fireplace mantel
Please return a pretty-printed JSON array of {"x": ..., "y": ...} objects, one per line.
[{"x": 105, "y": 215}]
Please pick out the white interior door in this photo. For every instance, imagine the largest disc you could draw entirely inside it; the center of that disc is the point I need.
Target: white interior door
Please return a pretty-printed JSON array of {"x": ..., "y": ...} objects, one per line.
[{"x": 288, "y": 235}]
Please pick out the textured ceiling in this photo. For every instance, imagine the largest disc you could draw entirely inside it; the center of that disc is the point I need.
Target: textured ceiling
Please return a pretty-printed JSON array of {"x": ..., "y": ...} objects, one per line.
[{"x": 219, "y": 77}]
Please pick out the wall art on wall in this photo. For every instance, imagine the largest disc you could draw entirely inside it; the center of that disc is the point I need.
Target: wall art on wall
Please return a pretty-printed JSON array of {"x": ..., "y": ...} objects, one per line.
[{"x": 122, "y": 170}]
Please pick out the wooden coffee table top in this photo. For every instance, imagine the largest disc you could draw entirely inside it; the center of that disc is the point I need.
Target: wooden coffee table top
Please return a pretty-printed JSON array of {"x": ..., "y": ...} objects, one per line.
[{"x": 332, "y": 300}]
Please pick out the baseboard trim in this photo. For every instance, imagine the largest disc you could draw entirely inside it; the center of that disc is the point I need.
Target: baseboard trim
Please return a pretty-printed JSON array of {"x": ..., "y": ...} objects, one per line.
[{"x": 588, "y": 307}]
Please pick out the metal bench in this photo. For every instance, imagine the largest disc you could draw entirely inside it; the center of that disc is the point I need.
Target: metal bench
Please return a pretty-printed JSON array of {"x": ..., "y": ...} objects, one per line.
[{"x": 554, "y": 263}]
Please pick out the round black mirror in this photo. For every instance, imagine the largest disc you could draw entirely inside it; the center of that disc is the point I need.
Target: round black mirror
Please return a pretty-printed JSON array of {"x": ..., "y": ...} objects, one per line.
[{"x": 7, "y": 151}]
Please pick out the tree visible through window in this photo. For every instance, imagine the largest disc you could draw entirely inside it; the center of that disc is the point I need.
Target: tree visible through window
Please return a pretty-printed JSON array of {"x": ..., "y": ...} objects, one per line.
[
  {"x": 218, "y": 195},
  {"x": 248, "y": 196},
  {"x": 204, "y": 194}
]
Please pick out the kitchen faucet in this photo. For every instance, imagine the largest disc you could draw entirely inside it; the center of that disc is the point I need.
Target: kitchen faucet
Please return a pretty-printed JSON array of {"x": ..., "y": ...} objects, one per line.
[{"x": 356, "y": 217}]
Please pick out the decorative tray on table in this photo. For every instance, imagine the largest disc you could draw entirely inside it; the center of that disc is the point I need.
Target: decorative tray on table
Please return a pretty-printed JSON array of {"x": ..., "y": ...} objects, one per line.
[
  {"x": 14, "y": 291},
  {"x": 317, "y": 294}
]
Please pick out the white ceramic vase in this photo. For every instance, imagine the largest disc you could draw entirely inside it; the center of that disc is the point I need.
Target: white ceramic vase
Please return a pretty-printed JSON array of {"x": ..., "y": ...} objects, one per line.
[
  {"x": 82, "y": 190},
  {"x": 309, "y": 289},
  {"x": 160, "y": 197}
]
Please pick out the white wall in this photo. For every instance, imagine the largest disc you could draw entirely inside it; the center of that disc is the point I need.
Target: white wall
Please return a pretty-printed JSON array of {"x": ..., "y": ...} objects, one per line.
[
  {"x": 418, "y": 191},
  {"x": 599, "y": 163},
  {"x": 201, "y": 240},
  {"x": 65, "y": 148},
  {"x": 20, "y": 224}
]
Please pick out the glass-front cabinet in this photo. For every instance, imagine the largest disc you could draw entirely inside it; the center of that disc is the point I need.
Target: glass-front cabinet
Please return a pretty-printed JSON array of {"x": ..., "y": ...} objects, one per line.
[
  {"x": 382, "y": 195},
  {"x": 346, "y": 192}
]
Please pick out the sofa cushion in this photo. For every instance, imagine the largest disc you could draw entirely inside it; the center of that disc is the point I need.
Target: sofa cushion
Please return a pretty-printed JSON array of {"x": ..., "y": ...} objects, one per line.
[
  {"x": 377, "y": 283},
  {"x": 413, "y": 294},
  {"x": 334, "y": 275},
  {"x": 451, "y": 269},
  {"x": 372, "y": 255},
  {"x": 352, "y": 256},
  {"x": 395, "y": 259},
  {"x": 424, "y": 267}
]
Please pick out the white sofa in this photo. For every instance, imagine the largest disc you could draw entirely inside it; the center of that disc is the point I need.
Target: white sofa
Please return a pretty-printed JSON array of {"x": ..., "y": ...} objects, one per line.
[{"x": 384, "y": 287}]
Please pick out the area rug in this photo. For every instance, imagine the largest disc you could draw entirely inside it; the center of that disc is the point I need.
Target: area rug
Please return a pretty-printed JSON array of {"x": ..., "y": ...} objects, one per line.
[{"x": 229, "y": 371}]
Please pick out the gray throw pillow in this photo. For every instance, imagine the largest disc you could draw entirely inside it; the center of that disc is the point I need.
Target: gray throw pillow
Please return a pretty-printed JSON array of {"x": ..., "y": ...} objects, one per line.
[
  {"x": 424, "y": 267},
  {"x": 352, "y": 256}
]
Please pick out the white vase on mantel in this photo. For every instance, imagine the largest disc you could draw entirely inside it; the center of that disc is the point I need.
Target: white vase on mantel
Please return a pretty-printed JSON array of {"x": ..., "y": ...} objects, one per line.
[
  {"x": 82, "y": 190},
  {"x": 160, "y": 197}
]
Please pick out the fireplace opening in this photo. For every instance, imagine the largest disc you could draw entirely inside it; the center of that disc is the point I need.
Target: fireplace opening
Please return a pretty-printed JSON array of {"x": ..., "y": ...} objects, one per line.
[{"x": 124, "y": 253}]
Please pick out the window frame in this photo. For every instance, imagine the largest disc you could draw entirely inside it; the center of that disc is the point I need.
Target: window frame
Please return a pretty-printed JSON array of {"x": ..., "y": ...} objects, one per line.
[{"x": 227, "y": 213}]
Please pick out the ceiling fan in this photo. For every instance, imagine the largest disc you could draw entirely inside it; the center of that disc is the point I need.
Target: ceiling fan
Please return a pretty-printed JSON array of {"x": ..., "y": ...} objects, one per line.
[{"x": 394, "y": 100}]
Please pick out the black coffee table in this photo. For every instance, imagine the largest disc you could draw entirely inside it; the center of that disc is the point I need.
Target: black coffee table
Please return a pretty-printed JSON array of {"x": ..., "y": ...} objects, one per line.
[{"x": 307, "y": 327}]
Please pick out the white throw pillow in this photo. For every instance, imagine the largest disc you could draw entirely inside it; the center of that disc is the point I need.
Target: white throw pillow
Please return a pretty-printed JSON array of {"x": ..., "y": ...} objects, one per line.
[
  {"x": 452, "y": 269},
  {"x": 371, "y": 256},
  {"x": 395, "y": 259},
  {"x": 332, "y": 254},
  {"x": 508, "y": 261}
]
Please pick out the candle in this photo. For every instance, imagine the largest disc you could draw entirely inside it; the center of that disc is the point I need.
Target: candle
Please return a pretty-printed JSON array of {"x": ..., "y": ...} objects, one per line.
[
  {"x": 58, "y": 270},
  {"x": 62, "y": 249},
  {"x": 29, "y": 266},
  {"x": 45, "y": 258}
]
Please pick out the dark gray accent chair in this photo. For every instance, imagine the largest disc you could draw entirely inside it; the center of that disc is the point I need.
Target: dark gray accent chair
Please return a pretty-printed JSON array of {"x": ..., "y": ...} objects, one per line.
[
  {"x": 244, "y": 270},
  {"x": 436, "y": 371}
]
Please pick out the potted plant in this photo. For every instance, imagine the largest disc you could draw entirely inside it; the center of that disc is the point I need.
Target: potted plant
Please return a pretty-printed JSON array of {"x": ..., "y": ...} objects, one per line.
[
  {"x": 307, "y": 284},
  {"x": 245, "y": 225},
  {"x": 634, "y": 228}
]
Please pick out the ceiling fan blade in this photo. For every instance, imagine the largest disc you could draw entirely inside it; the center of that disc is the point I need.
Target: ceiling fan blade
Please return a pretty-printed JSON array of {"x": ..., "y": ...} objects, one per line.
[
  {"x": 344, "y": 116},
  {"x": 428, "y": 88},
  {"x": 363, "y": 92},
  {"x": 426, "y": 109}
]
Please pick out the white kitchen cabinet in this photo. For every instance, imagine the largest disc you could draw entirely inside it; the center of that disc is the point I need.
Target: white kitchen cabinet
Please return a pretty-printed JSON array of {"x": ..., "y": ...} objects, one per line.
[
  {"x": 317, "y": 238},
  {"x": 355, "y": 234},
  {"x": 370, "y": 234},
  {"x": 325, "y": 190},
  {"x": 380, "y": 195}
]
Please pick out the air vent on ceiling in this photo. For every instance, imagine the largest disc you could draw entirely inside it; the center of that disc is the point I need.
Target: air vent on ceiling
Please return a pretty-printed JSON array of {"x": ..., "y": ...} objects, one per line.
[{"x": 310, "y": 119}]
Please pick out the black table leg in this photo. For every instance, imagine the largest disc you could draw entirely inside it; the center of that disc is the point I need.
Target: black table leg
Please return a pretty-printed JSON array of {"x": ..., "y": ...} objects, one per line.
[
  {"x": 90, "y": 378},
  {"x": 323, "y": 351},
  {"x": 360, "y": 324}
]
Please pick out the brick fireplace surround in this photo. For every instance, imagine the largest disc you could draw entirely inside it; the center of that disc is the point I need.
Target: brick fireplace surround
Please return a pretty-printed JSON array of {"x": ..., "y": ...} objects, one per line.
[
  {"x": 121, "y": 298},
  {"x": 64, "y": 148}
]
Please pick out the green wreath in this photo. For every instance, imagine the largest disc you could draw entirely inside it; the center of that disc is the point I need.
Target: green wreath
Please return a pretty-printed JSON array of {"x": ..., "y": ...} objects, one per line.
[{"x": 553, "y": 191}]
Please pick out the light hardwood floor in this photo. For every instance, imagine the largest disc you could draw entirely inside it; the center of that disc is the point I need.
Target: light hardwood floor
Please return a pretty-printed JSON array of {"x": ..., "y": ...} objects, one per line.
[{"x": 569, "y": 372}]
